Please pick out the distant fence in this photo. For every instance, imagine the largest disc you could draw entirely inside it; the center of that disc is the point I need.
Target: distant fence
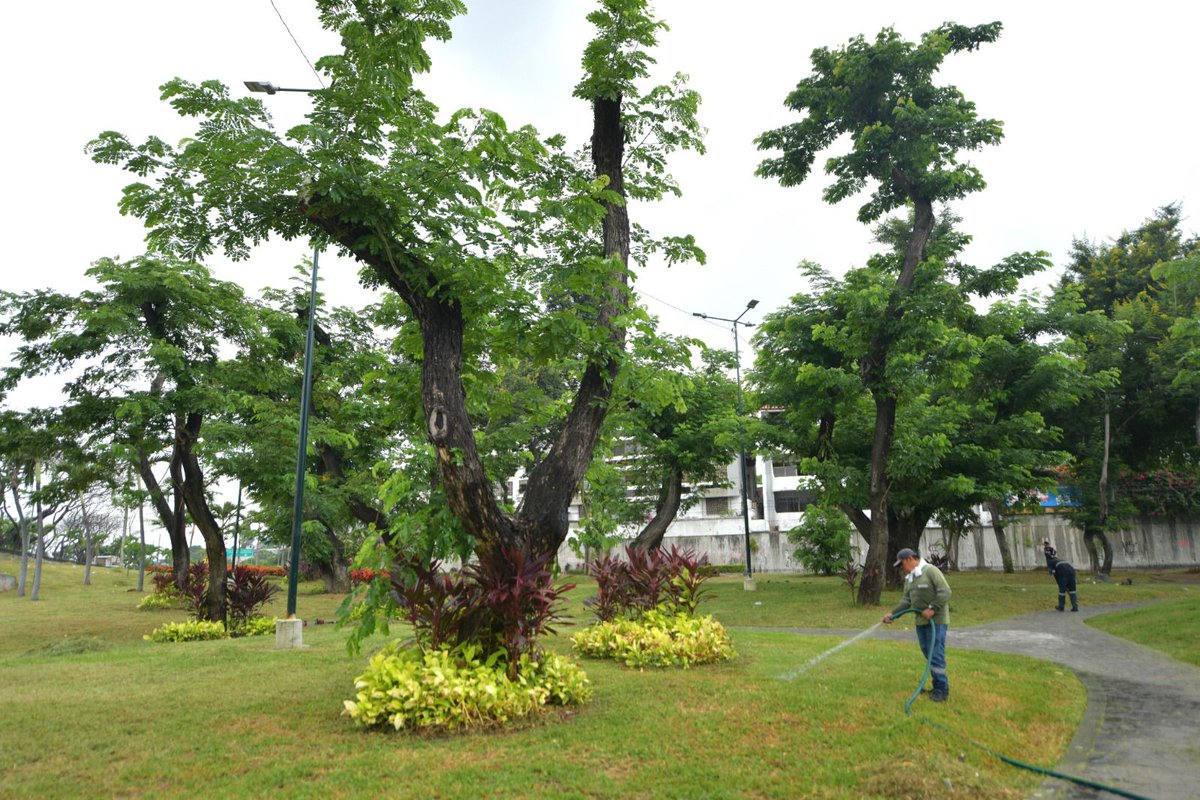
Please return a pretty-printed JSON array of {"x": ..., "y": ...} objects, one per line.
[{"x": 1149, "y": 543}]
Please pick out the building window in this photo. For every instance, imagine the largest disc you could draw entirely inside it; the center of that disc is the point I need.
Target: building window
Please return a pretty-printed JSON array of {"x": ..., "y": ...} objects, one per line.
[
  {"x": 792, "y": 502},
  {"x": 783, "y": 470},
  {"x": 716, "y": 507}
]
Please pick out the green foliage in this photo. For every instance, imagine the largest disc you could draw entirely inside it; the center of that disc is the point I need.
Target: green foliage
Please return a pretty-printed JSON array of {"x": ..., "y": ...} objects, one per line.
[
  {"x": 256, "y": 626},
  {"x": 160, "y": 600},
  {"x": 822, "y": 539},
  {"x": 455, "y": 688},
  {"x": 976, "y": 392},
  {"x": 190, "y": 631},
  {"x": 1162, "y": 493},
  {"x": 657, "y": 639},
  {"x": 906, "y": 131},
  {"x": 1132, "y": 302}
]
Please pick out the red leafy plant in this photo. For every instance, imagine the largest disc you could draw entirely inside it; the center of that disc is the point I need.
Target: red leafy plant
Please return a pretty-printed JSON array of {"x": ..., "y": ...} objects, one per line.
[
  {"x": 647, "y": 579},
  {"x": 504, "y": 603},
  {"x": 247, "y": 590}
]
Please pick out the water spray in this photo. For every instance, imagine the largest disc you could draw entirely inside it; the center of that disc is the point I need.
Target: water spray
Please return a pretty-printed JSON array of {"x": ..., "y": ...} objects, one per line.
[{"x": 807, "y": 665}]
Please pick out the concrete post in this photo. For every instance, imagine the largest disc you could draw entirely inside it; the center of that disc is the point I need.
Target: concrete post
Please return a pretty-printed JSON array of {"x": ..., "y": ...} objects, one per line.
[{"x": 289, "y": 634}]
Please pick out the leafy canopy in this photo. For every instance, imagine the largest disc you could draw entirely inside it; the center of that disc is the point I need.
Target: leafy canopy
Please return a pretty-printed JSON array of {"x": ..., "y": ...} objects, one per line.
[{"x": 905, "y": 131}]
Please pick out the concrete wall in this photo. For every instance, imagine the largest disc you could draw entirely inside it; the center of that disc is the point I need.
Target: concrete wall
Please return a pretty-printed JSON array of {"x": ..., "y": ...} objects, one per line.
[{"x": 1150, "y": 543}]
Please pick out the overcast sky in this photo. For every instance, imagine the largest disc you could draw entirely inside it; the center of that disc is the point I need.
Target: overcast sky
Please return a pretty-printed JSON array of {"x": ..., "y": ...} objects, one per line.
[{"x": 1099, "y": 106}]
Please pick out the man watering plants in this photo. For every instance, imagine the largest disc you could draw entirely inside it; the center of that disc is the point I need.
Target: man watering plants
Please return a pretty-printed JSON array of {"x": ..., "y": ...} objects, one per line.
[{"x": 927, "y": 592}]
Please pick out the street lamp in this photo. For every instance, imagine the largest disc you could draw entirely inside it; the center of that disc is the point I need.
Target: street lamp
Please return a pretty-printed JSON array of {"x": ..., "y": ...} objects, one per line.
[
  {"x": 293, "y": 634},
  {"x": 748, "y": 582},
  {"x": 267, "y": 87}
]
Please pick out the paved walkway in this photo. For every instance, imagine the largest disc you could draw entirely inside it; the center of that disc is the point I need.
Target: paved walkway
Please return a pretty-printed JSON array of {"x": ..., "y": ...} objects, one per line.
[{"x": 1141, "y": 729}]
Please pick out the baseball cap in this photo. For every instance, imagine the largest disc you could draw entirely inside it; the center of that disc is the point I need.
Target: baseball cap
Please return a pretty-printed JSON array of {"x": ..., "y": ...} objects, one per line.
[{"x": 905, "y": 553}]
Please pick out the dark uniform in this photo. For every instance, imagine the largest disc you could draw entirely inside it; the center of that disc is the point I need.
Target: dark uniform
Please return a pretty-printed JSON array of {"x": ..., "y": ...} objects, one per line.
[{"x": 1064, "y": 574}]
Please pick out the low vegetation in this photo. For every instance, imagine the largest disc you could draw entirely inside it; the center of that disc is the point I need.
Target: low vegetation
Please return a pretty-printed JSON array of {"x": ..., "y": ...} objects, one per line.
[
  {"x": 645, "y": 605},
  {"x": 475, "y": 657},
  {"x": 98, "y": 706}
]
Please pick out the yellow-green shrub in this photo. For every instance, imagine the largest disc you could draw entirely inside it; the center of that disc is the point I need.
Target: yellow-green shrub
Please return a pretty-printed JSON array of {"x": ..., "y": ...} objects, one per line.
[
  {"x": 257, "y": 626},
  {"x": 191, "y": 631},
  {"x": 656, "y": 639},
  {"x": 165, "y": 595},
  {"x": 407, "y": 687}
]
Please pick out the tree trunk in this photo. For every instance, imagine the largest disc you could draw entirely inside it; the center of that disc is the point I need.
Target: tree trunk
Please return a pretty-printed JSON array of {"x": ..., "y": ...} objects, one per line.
[
  {"x": 1094, "y": 532},
  {"x": 1103, "y": 483},
  {"x": 124, "y": 527},
  {"x": 87, "y": 543},
  {"x": 41, "y": 533},
  {"x": 142, "y": 551},
  {"x": 335, "y": 573},
  {"x": 669, "y": 497},
  {"x": 870, "y": 589},
  {"x": 186, "y": 436},
  {"x": 873, "y": 370},
  {"x": 952, "y": 549},
  {"x": 171, "y": 514},
  {"x": 543, "y": 513},
  {"x": 903, "y": 531},
  {"x": 1001, "y": 536},
  {"x": 1093, "y": 536},
  {"x": 23, "y": 524}
]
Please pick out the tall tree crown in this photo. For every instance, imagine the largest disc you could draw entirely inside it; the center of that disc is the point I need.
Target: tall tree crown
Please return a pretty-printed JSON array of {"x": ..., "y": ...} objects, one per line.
[{"x": 906, "y": 131}]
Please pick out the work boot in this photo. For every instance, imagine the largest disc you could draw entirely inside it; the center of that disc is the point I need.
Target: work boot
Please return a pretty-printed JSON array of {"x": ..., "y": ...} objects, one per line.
[
  {"x": 1074, "y": 602},
  {"x": 939, "y": 697},
  {"x": 1060, "y": 608},
  {"x": 1074, "y": 608}
]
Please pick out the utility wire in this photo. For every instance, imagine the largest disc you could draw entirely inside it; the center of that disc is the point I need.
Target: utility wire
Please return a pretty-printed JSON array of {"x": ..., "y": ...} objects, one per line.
[
  {"x": 297, "y": 43},
  {"x": 690, "y": 314}
]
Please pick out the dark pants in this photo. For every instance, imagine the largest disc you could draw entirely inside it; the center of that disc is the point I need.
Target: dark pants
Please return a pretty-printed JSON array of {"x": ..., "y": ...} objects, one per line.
[
  {"x": 926, "y": 638},
  {"x": 1066, "y": 584}
]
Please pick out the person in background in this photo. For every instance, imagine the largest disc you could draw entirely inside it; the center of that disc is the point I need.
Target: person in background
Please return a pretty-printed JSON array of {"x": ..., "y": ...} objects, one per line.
[
  {"x": 926, "y": 589},
  {"x": 1064, "y": 575},
  {"x": 1048, "y": 550}
]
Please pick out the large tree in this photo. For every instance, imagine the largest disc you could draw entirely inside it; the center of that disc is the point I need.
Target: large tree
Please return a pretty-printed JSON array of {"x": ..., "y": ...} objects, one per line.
[
  {"x": 970, "y": 385},
  {"x": 462, "y": 217},
  {"x": 906, "y": 135},
  {"x": 145, "y": 347}
]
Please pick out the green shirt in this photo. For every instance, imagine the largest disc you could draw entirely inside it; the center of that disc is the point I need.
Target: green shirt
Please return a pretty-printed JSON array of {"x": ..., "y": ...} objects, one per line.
[{"x": 927, "y": 590}]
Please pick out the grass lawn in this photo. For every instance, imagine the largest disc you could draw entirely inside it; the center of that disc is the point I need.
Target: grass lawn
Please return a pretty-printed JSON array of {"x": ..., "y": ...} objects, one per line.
[
  {"x": 1168, "y": 627},
  {"x": 118, "y": 716}
]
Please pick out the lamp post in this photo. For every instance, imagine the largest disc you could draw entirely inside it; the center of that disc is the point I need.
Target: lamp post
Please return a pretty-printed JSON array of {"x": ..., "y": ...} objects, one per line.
[
  {"x": 290, "y": 632},
  {"x": 302, "y": 450},
  {"x": 748, "y": 582}
]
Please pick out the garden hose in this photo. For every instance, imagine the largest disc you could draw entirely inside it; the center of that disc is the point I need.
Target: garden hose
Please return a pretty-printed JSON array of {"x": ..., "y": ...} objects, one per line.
[{"x": 1006, "y": 759}]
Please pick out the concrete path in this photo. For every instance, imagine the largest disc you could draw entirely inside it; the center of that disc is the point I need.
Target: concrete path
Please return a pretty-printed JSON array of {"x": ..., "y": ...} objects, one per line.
[{"x": 1141, "y": 729}]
